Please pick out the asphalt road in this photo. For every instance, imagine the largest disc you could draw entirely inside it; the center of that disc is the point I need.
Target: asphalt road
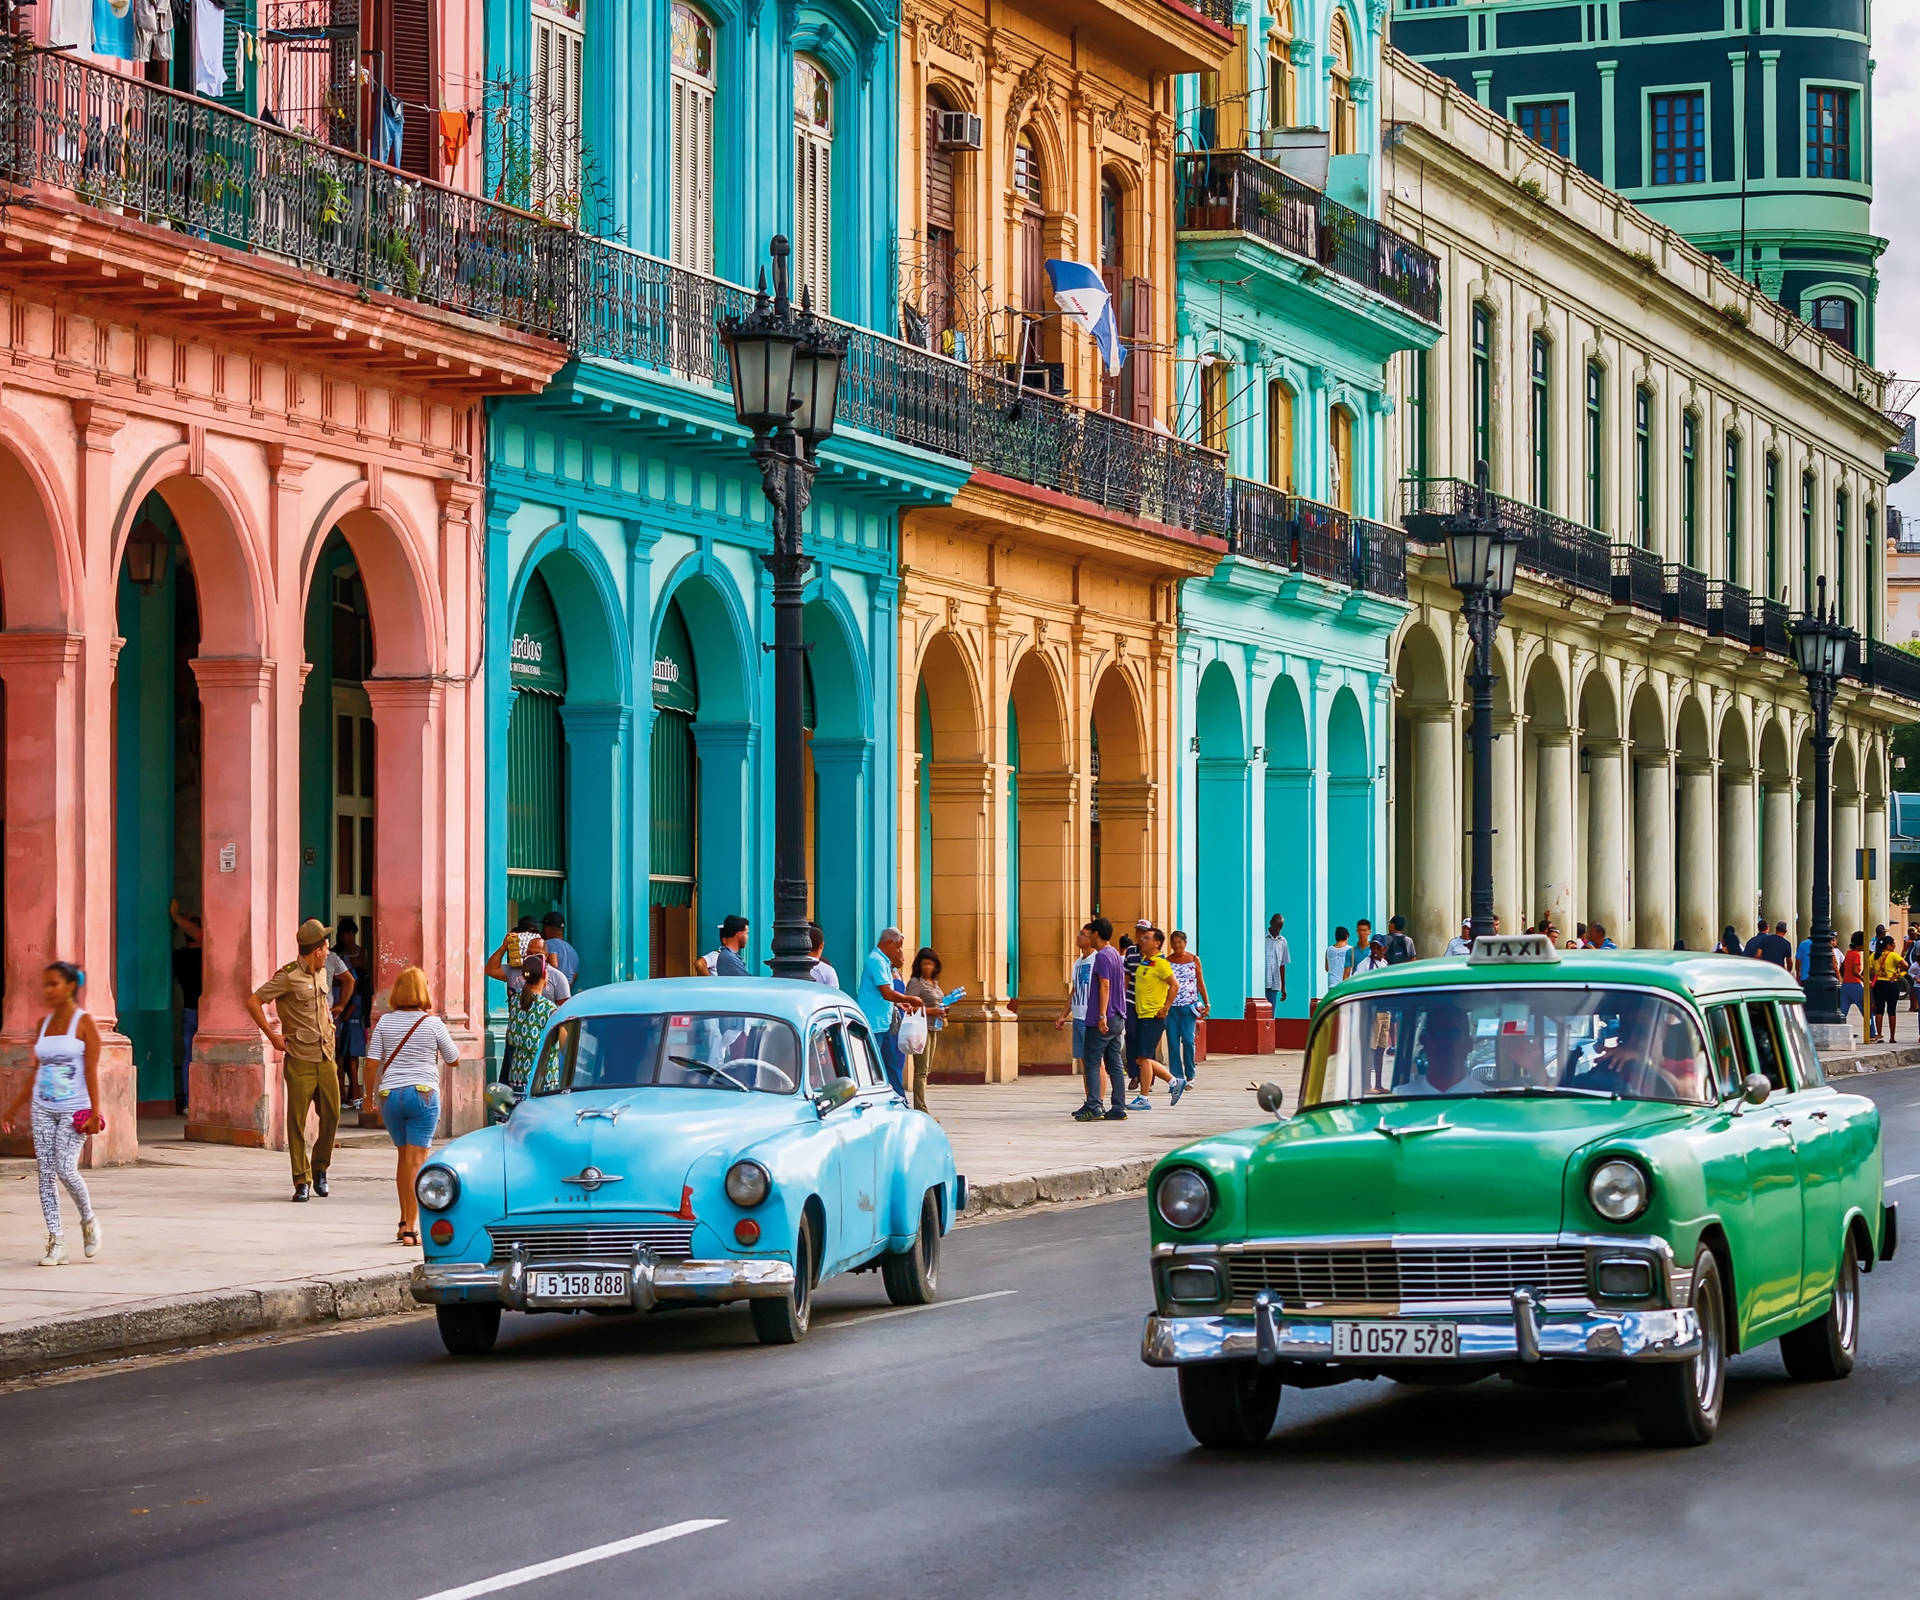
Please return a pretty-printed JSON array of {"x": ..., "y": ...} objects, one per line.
[{"x": 1006, "y": 1441}]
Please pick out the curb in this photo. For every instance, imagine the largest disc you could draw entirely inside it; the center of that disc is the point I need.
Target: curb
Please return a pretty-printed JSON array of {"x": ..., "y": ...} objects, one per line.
[
  {"x": 1858, "y": 1063},
  {"x": 1072, "y": 1183}
]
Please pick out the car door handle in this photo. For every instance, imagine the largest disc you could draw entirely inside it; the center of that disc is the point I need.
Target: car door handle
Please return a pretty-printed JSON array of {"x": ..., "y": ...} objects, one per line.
[
  {"x": 1783, "y": 1122},
  {"x": 1818, "y": 1116}
]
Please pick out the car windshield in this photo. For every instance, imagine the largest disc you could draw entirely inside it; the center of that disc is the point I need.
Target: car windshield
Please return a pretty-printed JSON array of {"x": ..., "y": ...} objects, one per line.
[
  {"x": 1533, "y": 1040},
  {"x": 681, "y": 1050}
]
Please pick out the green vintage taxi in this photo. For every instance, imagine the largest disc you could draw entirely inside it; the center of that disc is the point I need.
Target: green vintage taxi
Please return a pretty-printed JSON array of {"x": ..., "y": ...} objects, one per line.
[{"x": 1559, "y": 1168}]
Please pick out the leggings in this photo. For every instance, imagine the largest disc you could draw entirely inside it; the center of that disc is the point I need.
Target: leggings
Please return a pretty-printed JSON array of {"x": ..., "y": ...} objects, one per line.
[{"x": 56, "y": 1146}]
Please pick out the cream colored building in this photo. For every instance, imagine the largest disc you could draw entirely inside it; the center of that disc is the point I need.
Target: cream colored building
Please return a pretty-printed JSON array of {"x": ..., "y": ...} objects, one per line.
[{"x": 1686, "y": 462}]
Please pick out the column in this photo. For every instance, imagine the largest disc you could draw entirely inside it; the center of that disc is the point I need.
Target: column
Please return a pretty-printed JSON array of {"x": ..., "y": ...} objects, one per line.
[
  {"x": 1049, "y": 914},
  {"x": 1693, "y": 856},
  {"x": 1435, "y": 876},
  {"x": 841, "y": 855},
  {"x": 234, "y": 1093},
  {"x": 1509, "y": 902},
  {"x": 1606, "y": 69},
  {"x": 1847, "y": 909},
  {"x": 727, "y": 820},
  {"x": 596, "y": 791},
  {"x": 1553, "y": 824},
  {"x": 1777, "y": 865},
  {"x": 1607, "y": 837},
  {"x": 1803, "y": 864},
  {"x": 982, "y": 1046},
  {"x": 1653, "y": 852},
  {"x": 1739, "y": 852},
  {"x": 1878, "y": 842}
]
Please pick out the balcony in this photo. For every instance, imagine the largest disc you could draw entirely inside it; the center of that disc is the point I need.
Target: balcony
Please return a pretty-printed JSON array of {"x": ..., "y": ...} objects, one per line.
[
  {"x": 1686, "y": 596},
  {"x": 1900, "y": 459},
  {"x": 1890, "y": 668},
  {"x": 1230, "y": 191},
  {"x": 1550, "y": 545},
  {"x": 1639, "y": 578},
  {"x": 1905, "y": 540},
  {"x": 129, "y": 147},
  {"x": 1318, "y": 540},
  {"x": 1729, "y": 611},
  {"x": 1771, "y": 627}
]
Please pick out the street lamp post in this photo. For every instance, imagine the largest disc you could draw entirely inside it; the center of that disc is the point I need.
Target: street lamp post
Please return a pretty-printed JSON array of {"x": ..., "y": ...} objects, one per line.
[
  {"x": 1481, "y": 559},
  {"x": 786, "y": 385},
  {"x": 1820, "y": 647}
]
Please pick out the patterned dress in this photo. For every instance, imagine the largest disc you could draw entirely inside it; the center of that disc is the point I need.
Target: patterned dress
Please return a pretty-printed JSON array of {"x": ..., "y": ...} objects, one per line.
[{"x": 526, "y": 1021}]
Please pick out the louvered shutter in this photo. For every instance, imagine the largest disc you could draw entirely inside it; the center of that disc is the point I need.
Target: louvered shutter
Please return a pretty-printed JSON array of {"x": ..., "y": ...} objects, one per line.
[
  {"x": 243, "y": 88},
  {"x": 1140, "y": 361},
  {"x": 813, "y": 214},
  {"x": 408, "y": 38},
  {"x": 939, "y": 176},
  {"x": 559, "y": 48},
  {"x": 692, "y": 168}
]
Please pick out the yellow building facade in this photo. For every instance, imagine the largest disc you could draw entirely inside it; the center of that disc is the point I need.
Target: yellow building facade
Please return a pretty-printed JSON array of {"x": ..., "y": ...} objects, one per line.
[{"x": 1038, "y": 612}]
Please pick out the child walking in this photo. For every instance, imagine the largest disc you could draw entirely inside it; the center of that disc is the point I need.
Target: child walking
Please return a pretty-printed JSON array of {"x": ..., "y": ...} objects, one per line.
[{"x": 65, "y": 1087}]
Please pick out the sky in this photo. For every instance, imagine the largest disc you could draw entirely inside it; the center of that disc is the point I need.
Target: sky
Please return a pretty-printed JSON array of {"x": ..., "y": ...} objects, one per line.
[{"x": 1896, "y": 185}]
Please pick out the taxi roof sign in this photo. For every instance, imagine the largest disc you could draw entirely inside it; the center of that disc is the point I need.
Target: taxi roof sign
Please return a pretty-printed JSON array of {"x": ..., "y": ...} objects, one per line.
[{"x": 1514, "y": 948}]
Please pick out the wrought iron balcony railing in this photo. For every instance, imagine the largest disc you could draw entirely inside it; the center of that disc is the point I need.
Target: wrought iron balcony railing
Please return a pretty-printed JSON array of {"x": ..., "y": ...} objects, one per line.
[
  {"x": 1262, "y": 523},
  {"x": 1686, "y": 596},
  {"x": 1893, "y": 669},
  {"x": 1550, "y": 545},
  {"x": 1729, "y": 611},
  {"x": 1771, "y": 627},
  {"x": 1225, "y": 191},
  {"x": 1322, "y": 541},
  {"x": 1379, "y": 558},
  {"x": 1220, "y": 11},
  {"x": 1905, "y": 419},
  {"x": 1639, "y": 578},
  {"x": 184, "y": 163}
]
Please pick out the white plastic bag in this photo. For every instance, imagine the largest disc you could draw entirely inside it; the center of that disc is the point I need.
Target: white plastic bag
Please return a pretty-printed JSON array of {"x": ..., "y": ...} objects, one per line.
[{"x": 912, "y": 1032}]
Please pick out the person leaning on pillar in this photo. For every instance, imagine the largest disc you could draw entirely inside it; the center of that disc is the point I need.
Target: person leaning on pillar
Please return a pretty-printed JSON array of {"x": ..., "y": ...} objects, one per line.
[{"x": 301, "y": 994}]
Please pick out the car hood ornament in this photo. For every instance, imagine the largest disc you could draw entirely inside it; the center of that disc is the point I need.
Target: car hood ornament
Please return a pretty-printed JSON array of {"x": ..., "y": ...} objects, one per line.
[{"x": 592, "y": 1178}]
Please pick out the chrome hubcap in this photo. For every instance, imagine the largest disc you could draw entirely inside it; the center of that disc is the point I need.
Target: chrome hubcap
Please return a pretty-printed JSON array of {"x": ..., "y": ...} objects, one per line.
[
  {"x": 1706, "y": 1365},
  {"x": 1846, "y": 1302}
]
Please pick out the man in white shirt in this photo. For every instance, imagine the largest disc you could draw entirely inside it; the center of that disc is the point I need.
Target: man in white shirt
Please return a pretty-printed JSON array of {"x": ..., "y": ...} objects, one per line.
[
  {"x": 822, "y": 972},
  {"x": 1461, "y": 944},
  {"x": 1279, "y": 958}
]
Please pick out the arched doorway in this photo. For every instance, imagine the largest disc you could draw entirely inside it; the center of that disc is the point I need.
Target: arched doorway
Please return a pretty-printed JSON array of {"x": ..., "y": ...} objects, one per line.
[
  {"x": 836, "y": 702},
  {"x": 1222, "y": 934},
  {"x": 1349, "y": 854},
  {"x": 158, "y": 913},
  {"x": 1550, "y": 774},
  {"x": 1603, "y": 808},
  {"x": 536, "y": 759},
  {"x": 1291, "y": 847},
  {"x": 1737, "y": 828},
  {"x": 1123, "y": 800},
  {"x": 1651, "y": 901},
  {"x": 1041, "y": 888},
  {"x": 1694, "y": 856},
  {"x": 673, "y": 860}
]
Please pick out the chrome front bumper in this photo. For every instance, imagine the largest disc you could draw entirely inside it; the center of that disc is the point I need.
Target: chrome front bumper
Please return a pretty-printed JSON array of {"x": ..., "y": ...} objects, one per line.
[
  {"x": 1269, "y": 1335},
  {"x": 655, "y": 1282}
]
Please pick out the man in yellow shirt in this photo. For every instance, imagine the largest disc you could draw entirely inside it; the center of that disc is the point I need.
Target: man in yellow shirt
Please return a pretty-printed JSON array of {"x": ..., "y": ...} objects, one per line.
[{"x": 1152, "y": 994}]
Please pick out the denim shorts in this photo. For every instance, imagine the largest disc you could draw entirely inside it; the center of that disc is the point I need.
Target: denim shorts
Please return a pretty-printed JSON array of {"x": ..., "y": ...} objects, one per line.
[
  {"x": 1149, "y": 1032},
  {"x": 411, "y": 1115},
  {"x": 1079, "y": 1041}
]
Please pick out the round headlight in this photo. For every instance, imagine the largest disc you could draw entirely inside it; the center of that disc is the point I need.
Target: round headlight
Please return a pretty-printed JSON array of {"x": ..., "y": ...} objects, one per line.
[
  {"x": 1184, "y": 1198},
  {"x": 1619, "y": 1190},
  {"x": 436, "y": 1187},
  {"x": 747, "y": 1183}
]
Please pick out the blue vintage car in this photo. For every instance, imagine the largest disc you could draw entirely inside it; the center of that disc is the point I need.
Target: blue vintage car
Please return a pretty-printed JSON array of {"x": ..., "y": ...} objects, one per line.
[{"x": 688, "y": 1141}]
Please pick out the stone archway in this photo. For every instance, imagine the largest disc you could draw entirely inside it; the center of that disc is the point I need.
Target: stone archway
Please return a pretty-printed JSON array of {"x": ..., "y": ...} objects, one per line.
[
  {"x": 1849, "y": 908},
  {"x": 1041, "y": 883},
  {"x": 840, "y": 755},
  {"x": 1603, "y": 807},
  {"x": 1695, "y": 856},
  {"x": 1737, "y": 827},
  {"x": 1123, "y": 802},
  {"x": 1550, "y": 772},
  {"x": 1777, "y": 824},
  {"x": 1292, "y": 845},
  {"x": 1652, "y": 898},
  {"x": 1350, "y": 853},
  {"x": 1223, "y": 934},
  {"x": 1427, "y": 773},
  {"x": 953, "y": 786}
]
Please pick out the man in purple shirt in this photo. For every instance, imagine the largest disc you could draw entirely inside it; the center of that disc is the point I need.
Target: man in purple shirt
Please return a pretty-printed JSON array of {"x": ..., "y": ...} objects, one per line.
[{"x": 1106, "y": 1029}]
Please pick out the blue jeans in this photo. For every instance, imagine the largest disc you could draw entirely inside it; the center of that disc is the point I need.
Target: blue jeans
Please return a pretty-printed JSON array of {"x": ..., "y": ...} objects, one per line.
[
  {"x": 1180, "y": 1025},
  {"x": 411, "y": 1115},
  {"x": 1273, "y": 999},
  {"x": 1853, "y": 997},
  {"x": 893, "y": 1062},
  {"x": 1106, "y": 1055}
]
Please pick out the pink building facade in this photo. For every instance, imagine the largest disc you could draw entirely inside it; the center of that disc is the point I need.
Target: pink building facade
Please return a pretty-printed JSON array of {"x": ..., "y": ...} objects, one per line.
[{"x": 241, "y": 578}]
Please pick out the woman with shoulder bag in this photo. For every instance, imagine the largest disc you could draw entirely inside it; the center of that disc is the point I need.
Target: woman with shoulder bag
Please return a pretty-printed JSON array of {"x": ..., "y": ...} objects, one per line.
[{"x": 406, "y": 1048}]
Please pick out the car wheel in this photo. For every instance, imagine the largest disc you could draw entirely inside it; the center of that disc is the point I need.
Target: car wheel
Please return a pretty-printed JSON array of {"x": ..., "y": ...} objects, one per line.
[
  {"x": 912, "y": 1277},
  {"x": 785, "y": 1320},
  {"x": 468, "y": 1330},
  {"x": 1824, "y": 1348},
  {"x": 1678, "y": 1402},
  {"x": 1229, "y": 1405}
]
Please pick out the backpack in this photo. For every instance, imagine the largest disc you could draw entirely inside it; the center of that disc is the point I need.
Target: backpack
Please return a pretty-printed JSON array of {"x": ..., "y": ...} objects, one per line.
[{"x": 1399, "y": 949}]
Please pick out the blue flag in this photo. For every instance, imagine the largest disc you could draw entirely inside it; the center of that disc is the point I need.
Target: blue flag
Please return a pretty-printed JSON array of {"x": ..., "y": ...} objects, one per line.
[{"x": 1080, "y": 294}]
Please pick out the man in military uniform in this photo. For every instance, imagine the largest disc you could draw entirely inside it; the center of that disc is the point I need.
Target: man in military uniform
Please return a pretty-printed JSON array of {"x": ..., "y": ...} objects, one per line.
[{"x": 301, "y": 994}]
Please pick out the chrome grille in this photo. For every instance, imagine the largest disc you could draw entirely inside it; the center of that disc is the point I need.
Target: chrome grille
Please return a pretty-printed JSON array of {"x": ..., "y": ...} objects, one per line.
[
  {"x": 670, "y": 1240},
  {"x": 1305, "y": 1278}
]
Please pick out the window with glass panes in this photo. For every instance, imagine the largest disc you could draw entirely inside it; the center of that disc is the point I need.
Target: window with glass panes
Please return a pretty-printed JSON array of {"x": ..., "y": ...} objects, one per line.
[
  {"x": 1542, "y": 415},
  {"x": 1734, "y": 571},
  {"x": 1840, "y": 596},
  {"x": 1416, "y": 398},
  {"x": 1771, "y": 489},
  {"x": 1596, "y": 438},
  {"x": 1869, "y": 620},
  {"x": 813, "y": 182},
  {"x": 1690, "y": 490},
  {"x": 690, "y": 158},
  {"x": 1482, "y": 389},
  {"x": 1549, "y": 124},
  {"x": 1829, "y": 133},
  {"x": 1679, "y": 137},
  {"x": 1643, "y": 468},
  {"x": 1833, "y": 319},
  {"x": 1806, "y": 540}
]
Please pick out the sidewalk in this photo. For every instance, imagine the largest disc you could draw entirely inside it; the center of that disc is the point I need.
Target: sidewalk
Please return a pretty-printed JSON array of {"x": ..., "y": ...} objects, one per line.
[{"x": 201, "y": 1241}]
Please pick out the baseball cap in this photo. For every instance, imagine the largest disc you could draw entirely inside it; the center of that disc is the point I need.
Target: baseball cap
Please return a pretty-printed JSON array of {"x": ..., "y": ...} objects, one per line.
[{"x": 312, "y": 932}]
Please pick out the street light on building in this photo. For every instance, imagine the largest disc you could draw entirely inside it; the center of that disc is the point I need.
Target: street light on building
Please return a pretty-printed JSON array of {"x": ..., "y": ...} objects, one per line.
[
  {"x": 1820, "y": 646},
  {"x": 786, "y": 385},
  {"x": 1482, "y": 557}
]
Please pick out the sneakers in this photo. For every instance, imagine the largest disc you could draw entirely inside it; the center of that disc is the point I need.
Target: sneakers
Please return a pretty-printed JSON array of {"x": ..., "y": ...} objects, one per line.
[
  {"x": 56, "y": 1255},
  {"x": 1115, "y": 1115},
  {"x": 1089, "y": 1113},
  {"x": 1178, "y": 1088},
  {"x": 1139, "y": 1103},
  {"x": 90, "y": 1232}
]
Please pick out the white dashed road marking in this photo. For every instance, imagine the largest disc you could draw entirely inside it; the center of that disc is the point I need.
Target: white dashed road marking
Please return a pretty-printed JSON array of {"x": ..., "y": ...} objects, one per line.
[{"x": 580, "y": 1558}]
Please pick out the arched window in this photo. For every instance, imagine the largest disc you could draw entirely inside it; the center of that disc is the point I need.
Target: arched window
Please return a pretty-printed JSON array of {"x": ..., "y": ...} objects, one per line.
[
  {"x": 1482, "y": 392},
  {"x": 1030, "y": 251},
  {"x": 942, "y": 261},
  {"x": 1216, "y": 404},
  {"x": 1833, "y": 317},
  {"x": 1117, "y": 387},
  {"x": 1541, "y": 414},
  {"x": 559, "y": 46},
  {"x": 1340, "y": 113},
  {"x": 1340, "y": 458},
  {"x": 813, "y": 182},
  {"x": 1280, "y": 436},
  {"x": 1280, "y": 96},
  {"x": 691, "y": 152},
  {"x": 1732, "y": 495}
]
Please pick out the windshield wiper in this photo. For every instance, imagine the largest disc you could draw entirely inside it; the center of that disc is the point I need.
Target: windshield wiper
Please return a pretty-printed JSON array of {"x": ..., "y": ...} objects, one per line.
[
  {"x": 1541, "y": 1088},
  {"x": 710, "y": 1068}
]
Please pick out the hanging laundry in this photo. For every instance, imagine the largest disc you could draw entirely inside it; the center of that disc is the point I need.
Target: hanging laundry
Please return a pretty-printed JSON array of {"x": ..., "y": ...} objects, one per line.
[
  {"x": 152, "y": 30},
  {"x": 113, "y": 29},
  {"x": 454, "y": 128},
  {"x": 390, "y": 128},
  {"x": 209, "y": 48},
  {"x": 72, "y": 25}
]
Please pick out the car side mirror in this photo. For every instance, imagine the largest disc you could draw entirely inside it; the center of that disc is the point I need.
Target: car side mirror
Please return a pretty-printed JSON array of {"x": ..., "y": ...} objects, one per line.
[
  {"x": 1754, "y": 1089},
  {"x": 499, "y": 1101},
  {"x": 1271, "y": 1098},
  {"x": 836, "y": 1094}
]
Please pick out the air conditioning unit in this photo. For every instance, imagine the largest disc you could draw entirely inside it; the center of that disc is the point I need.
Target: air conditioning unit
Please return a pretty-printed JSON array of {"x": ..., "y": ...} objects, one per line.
[{"x": 959, "y": 130}]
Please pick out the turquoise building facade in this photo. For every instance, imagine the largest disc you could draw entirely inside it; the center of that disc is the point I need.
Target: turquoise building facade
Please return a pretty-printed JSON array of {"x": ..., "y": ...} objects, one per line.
[
  {"x": 1292, "y": 300},
  {"x": 629, "y": 693}
]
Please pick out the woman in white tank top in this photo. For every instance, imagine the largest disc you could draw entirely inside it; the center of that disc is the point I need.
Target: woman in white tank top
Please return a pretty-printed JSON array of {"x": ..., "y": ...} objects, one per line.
[{"x": 65, "y": 1091}]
